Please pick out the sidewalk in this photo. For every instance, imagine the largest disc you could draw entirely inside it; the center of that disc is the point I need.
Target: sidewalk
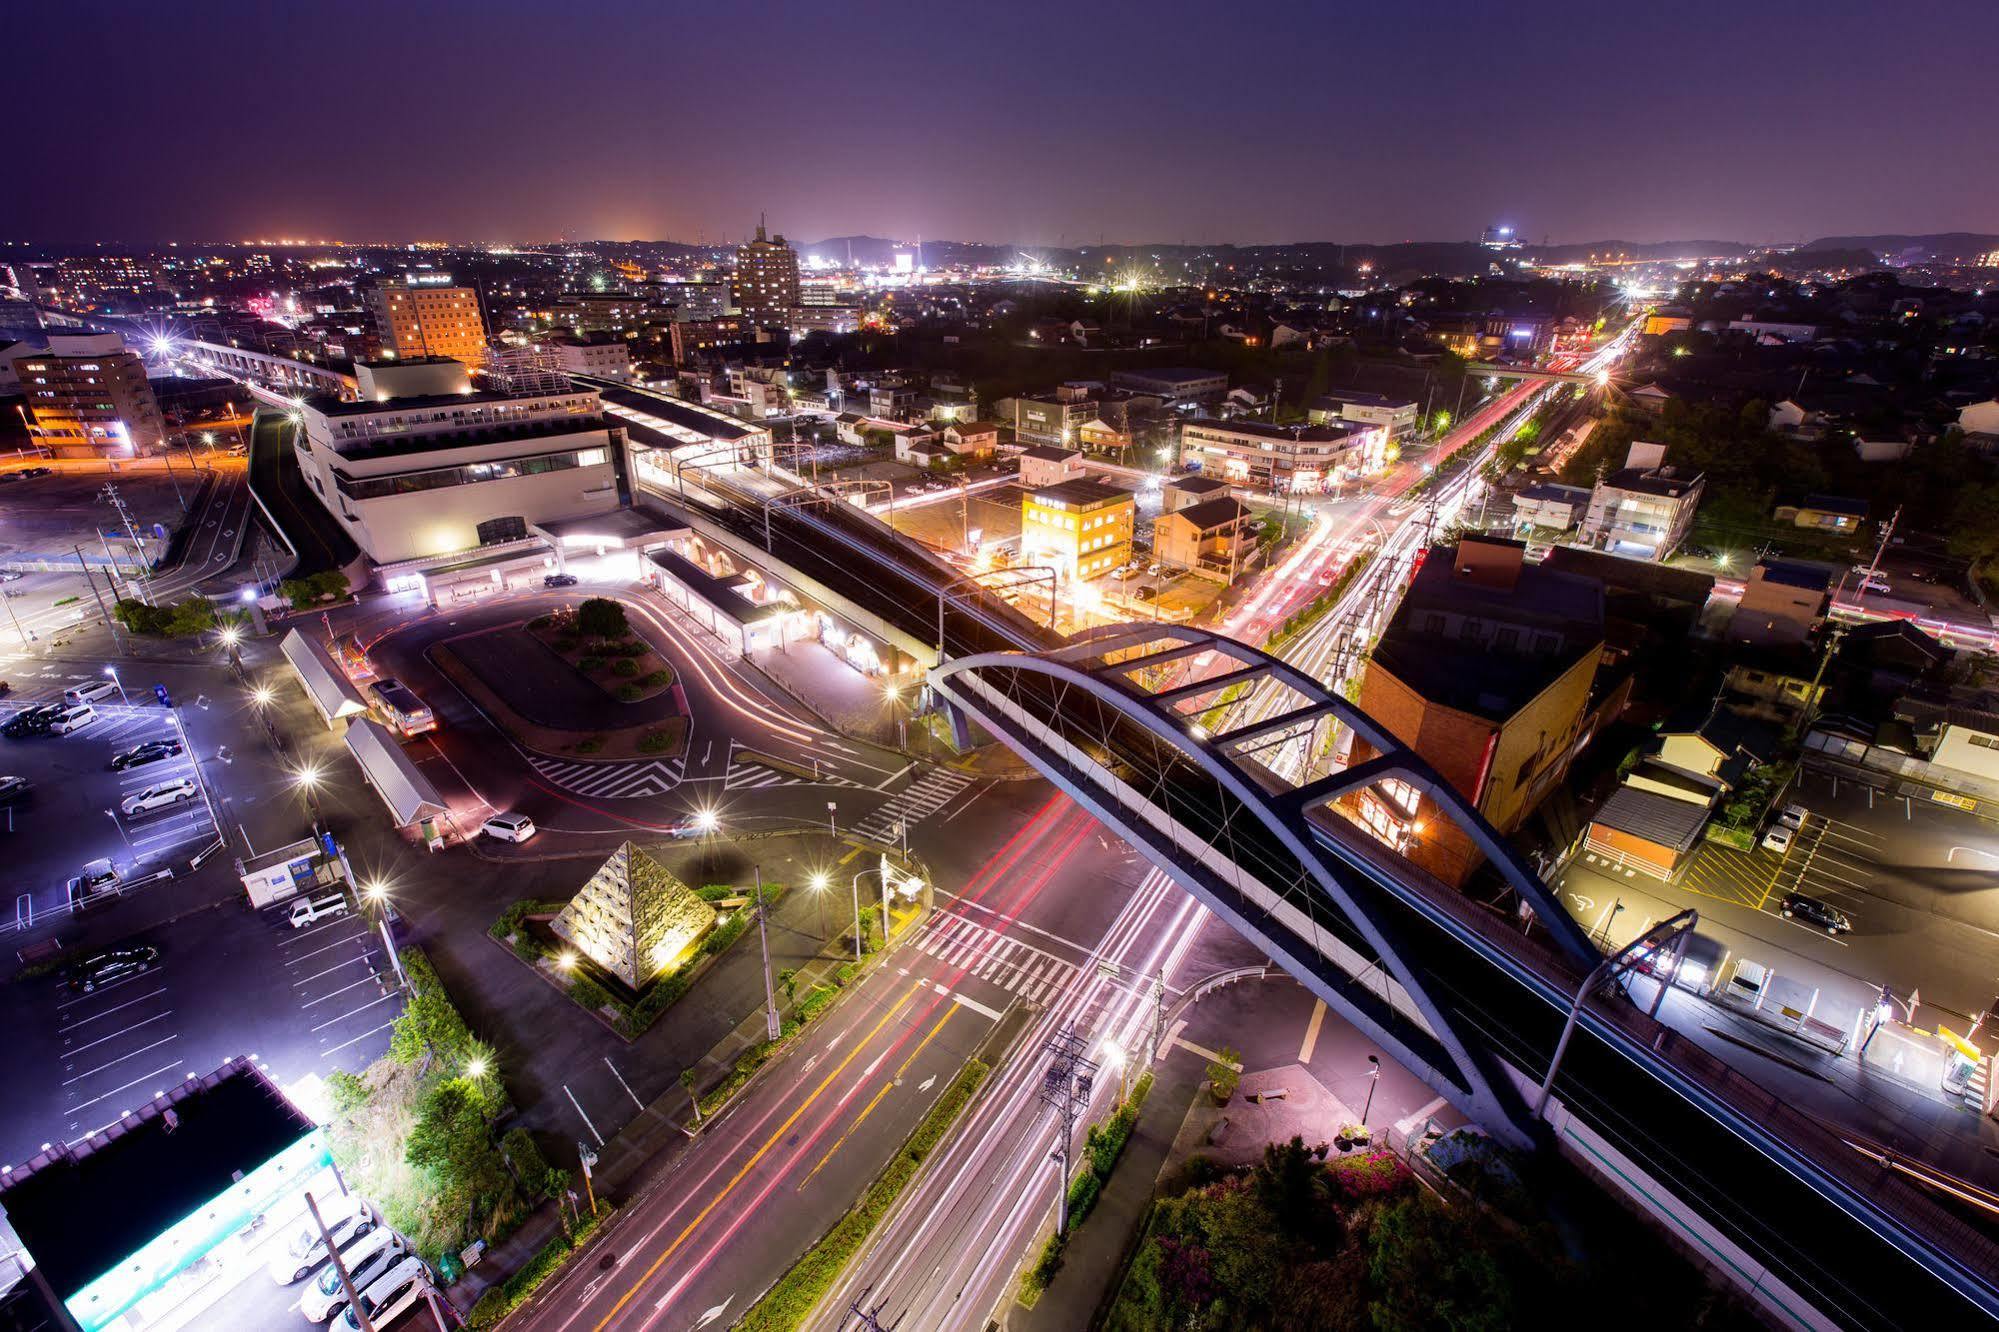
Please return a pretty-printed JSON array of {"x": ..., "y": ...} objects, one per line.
[{"x": 1095, "y": 1258}]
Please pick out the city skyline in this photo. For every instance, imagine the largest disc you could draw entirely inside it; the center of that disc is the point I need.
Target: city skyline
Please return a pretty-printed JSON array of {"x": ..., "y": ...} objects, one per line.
[{"x": 1360, "y": 128}]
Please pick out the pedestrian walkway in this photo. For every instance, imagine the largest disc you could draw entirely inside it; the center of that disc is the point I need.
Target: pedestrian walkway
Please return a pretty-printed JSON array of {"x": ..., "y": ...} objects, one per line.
[
  {"x": 747, "y": 775},
  {"x": 1016, "y": 967},
  {"x": 612, "y": 781},
  {"x": 920, "y": 799}
]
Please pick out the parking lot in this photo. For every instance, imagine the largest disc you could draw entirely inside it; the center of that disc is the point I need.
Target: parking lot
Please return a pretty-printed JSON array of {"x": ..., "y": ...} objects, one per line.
[
  {"x": 228, "y": 980},
  {"x": 74, "y": 810}
]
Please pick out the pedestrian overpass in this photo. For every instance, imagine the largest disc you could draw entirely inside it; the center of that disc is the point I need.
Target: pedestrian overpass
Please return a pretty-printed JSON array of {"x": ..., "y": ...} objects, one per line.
[{"x": 1129, "y": 721}]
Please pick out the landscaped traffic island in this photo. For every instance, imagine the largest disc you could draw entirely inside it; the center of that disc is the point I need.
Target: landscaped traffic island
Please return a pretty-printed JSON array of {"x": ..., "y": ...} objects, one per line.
[{"x": 596, "y": 639}]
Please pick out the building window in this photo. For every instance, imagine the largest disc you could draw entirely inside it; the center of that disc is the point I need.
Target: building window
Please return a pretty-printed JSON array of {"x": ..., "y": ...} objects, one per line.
[{"x": 502, "y": 529}]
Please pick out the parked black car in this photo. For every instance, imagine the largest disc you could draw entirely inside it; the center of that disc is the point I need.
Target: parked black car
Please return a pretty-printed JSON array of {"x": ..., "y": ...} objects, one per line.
[
  {"x": 140, "y": 755},
  {"x": 559, "y": 580},
  {"x": 113, "y": 964},
  {"x": 32, "y": 721},
  {"x": 1811, "y": 911}
]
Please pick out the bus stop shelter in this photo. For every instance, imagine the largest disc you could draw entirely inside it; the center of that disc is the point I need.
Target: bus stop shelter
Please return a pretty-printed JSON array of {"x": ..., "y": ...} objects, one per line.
[
  {"x": 331, "y": 692},
  {"x": 397, "y": 780}
]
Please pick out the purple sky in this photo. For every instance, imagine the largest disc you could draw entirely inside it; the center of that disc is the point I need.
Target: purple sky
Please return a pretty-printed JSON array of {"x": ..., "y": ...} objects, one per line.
[{"x": 1165, "y": 121}]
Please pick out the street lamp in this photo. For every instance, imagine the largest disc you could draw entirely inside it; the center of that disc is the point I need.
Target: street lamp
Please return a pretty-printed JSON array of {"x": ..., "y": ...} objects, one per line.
[
  {"x": 1113, "y": 1054},
  {"x": 307, "y": 778},
  {"x": 857, "y": 911},
  {"x": 112, "y": 671},
  {"x": 121, "y": 831},
  {"x": 1373, "y": 1081},
  {"x": 819, "y": 883}
]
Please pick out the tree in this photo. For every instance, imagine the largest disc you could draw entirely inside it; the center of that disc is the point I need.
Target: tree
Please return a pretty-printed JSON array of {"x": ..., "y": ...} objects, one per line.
[
  {"x": 687, "y": 1082},
  {"x": 600, "y": 617},
  {"x": 1429, "y": 1269},
  {"x": 1223, "y": 1074},
  {"x": 787, "y": 980},
  {"x": 304, "y": 593},
  {"x": 1291, "y": 1184}
]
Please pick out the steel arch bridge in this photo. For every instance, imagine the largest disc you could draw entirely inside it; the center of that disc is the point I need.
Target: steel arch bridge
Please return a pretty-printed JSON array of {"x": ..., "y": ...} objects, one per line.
[{"x": 1107, "y": 720}]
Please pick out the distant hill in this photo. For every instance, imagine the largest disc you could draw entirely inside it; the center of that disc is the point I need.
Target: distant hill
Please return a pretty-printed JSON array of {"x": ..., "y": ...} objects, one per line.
[{"x": 1939, "y": 245}]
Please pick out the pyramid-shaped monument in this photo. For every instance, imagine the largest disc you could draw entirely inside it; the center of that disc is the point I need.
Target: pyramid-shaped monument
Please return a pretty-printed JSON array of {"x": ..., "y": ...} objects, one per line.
[{"x": 633, "y": 917}]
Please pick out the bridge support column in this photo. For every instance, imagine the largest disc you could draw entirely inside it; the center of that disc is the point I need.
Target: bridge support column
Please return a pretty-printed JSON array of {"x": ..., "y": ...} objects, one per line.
[{"x": 960, "y": 724}]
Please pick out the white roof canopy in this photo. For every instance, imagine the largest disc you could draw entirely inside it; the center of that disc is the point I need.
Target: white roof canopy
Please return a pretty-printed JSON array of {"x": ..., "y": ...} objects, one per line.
[
  {"x": 403, "y": 788},
  {"x": 325, "y": 683}
]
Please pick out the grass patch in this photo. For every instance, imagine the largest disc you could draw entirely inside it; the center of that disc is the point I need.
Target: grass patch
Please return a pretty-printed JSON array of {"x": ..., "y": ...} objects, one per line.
[{"x": 786, "y": 1304}]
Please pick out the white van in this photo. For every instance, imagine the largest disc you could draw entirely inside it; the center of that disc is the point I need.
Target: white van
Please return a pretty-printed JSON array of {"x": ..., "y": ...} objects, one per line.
[
  {"x": 390, "y": 1297},
  {"x": 368, "y": 1260},
  {"x": 89, "y": 693},
  {"x": 73, "y": 718},
  {"x": 305, "y": 913}
]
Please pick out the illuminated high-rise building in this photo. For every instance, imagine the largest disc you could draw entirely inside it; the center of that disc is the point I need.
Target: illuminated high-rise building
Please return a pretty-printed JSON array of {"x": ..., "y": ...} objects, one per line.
[
  {"x": 421, "y": 314},
  {"x": 766, "y": 282}
]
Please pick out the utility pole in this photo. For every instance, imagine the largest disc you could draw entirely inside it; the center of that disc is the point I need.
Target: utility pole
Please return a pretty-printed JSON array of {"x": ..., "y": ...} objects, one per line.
[
  {"x": 771, "y": 1025},
  {"x": 346, "y": 1281},
  {"x": 101, "y": 610},
  {"x": 1065, "y": 1088},
  {"x": 131, "y": 532}
]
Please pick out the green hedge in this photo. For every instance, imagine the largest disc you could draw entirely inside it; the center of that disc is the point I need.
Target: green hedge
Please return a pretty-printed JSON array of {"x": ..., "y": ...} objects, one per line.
[
  {"x": 1102, "y": 1147},
  {"x": 787, "y": 1304},
  {"x": 503, "y": 1299}
]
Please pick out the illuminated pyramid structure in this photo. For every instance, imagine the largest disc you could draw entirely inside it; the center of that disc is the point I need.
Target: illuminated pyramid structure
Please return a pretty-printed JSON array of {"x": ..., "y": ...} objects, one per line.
[{"x": 634, "y": 918}]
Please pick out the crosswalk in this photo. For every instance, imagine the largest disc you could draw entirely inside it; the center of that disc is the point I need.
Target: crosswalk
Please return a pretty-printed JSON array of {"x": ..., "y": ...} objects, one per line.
[
  {"x": 1019, "y": 968},
  {"x": 921, "y": 798},
  {"x": 612, "y": 781},
  {"x": 744, "y": 775}
]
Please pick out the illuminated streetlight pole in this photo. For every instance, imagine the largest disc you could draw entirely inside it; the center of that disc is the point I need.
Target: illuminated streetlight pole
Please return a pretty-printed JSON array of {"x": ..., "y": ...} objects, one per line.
[
  {"x": 377, "y": 893},
  {"x": 819, "y": 891},
  {"x": 112, "y": 671}
]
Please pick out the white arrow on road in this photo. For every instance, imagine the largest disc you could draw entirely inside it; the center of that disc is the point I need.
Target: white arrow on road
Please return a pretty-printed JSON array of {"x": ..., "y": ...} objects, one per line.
[
  {"x": 713, "y": 1313},
  {"x": 927, "y": 1083}
]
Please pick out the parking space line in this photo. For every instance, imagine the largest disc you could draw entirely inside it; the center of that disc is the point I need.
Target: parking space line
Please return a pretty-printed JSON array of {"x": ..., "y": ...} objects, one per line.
[
  {"x": 301, "y": 936},
  {"x": 333, "y": 993},
  {"x": 345, "y": 939},
  {"x": 328, "y": 972},
  {"x": 99, "y": 993},
  {"x": 362, "y": 1037},
  {"x": 121, "y": 1059},
  {"x": 352, "y": 1011},
  {"x": 122, "y": 1031},
  {"x": 142, "y": 1078}
]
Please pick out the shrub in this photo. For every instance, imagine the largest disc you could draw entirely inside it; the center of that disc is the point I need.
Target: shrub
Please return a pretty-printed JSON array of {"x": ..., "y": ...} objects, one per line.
[
  {"x": 569, "y": 642},
  {"x": 600, "y": 617},
  {"x": 1083, "y": 1191},
  {"x": 526, "y": 1158},
  {"x": 589, "y": 746},
  {"x": 628, "y": 692},
  {"x": 592, "y": 662},
  {"x": 656, "y": 679},
  {"x": 844, "y": 974},
  {"x": 541, "y": 622},
  {"x": 652, "y": 742},
  {"x": 625, "y": 667}
]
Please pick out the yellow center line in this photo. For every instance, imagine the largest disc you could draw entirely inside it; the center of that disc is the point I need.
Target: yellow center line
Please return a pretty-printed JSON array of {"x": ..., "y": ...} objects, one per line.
[
  {"x": 850, "y": 855},
  {"x": 949, "y": 1009},
  {"x": 750, "y": 1164}
]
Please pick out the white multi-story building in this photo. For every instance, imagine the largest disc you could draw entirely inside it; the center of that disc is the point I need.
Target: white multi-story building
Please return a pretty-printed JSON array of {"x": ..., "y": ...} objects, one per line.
[
  {"x": 601, "y": 354},
  {"x": 1397, "y": 414},
  {"x": 1644, "y": 509},
  {"x": 424, "y": 466},
  {"x": 1283, "y": 459}
]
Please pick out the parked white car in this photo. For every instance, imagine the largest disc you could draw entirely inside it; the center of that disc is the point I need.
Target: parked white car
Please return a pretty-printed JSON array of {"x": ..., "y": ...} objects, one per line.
[
  {"x": 305, "y": 1249},
  {"x": 509, "y": 827},
  {"x": 89, "y": 693},
  {"x": 73, "y": 718},
  {"x": 390, "y": 1296},
  {"x": 369, "y": 1258},
  {"x": 161, "y": 795},
  {"x": 1778, "y": 839}
]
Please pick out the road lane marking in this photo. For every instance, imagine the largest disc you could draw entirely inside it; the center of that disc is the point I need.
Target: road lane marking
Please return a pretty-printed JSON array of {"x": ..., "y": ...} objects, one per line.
[
  {"x": 749, "y": 1165},
  {"x": 1312, "y": 1031},
  {"x": 352, "y": 1011},
  {"x": 357, "y": 1040},
  {"x": 973, "y": 1004},
  {"x": 896, "y": 1081}
]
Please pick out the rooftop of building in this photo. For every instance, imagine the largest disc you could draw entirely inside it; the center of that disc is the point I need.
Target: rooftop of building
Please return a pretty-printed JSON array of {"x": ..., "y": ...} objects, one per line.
[
  {"x": 85, "y": 1209},
  {"x": 1080, "y": 494},
  {"x": 687, "y": 416},
  {"x": 1617, "y": 573},
  {"x": 1210, "y": 514},
  {"x": 1359, "y": 398},
  {"x": 1199, "y": 485},
  {"x": 528, "y": 433},
  {"x": 1174, "y": 374},
  {"x": 1808, "y": 575},
  {"x": 391, "y": 362},
  {"x": 1660, "y": 819},
  {"x": 1666, "y": 482},
  {"x": 328, "y": 405},
  {"x": 1318, "y": 434},
  {"x": 1049, "y": 453},
  {"x": 1556, "y": 492}
]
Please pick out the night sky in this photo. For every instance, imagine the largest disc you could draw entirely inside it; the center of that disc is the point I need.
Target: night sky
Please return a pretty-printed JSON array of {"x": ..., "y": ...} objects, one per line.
[{"x": 1173, "y": 120}]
